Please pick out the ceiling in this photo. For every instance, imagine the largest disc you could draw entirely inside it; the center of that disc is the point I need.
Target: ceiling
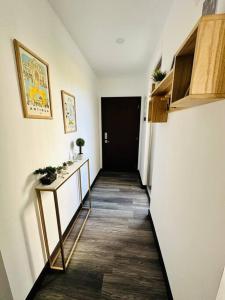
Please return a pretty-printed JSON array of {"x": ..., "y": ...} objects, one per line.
[{"x": 96, "y": 24}]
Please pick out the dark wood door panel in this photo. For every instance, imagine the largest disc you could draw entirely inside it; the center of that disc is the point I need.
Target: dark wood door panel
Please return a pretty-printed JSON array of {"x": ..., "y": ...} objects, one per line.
[{"x": 120, "y": 132}]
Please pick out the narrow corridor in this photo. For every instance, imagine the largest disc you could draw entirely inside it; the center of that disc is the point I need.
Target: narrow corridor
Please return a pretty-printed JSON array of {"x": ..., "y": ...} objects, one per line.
[{"x": 116, "y": 257}]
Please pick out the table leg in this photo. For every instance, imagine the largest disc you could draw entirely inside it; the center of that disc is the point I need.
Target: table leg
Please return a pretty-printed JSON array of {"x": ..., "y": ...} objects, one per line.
[
  {"x": 59, "y": 229},
  {"x": 80, "y": 187},
  {"x": 43, "y": 226},
  {"x": 89, "y": 183}
]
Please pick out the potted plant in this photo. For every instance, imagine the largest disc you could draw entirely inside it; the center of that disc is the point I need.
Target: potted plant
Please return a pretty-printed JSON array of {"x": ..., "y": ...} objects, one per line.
[
  {"x": 50, "y": 175},
  {"x": 80, "y": 143},
  {"x": 158, "y": 76}
]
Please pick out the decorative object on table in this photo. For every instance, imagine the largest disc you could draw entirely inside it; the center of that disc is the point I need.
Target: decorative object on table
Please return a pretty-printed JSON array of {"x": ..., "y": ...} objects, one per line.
[
  {"x": 49, "y": 177},
  {"x": 75, "y": 156},
  {"x": 59, "y": 169},
  {"x": 33, "y": 74},
  {"x": 209, "y": 7},
  {"x": 80, "y": 143},
  {"x": 158, "y": 76},
  {"x": 69, "y": 112},
  {"x": 64, "y": 169},
  {"x": 69, "y": 163}
]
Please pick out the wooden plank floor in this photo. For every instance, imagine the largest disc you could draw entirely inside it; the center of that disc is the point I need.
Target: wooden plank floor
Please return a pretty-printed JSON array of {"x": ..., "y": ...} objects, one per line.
[{"x": 116, "y": 257}]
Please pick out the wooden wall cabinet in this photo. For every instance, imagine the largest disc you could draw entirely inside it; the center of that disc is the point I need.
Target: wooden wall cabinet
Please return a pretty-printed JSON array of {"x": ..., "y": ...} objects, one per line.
[
  {"x": 199, "y": 70},
  {"x": 158, "y": 109},
  {"x": 159, "y": 102}
]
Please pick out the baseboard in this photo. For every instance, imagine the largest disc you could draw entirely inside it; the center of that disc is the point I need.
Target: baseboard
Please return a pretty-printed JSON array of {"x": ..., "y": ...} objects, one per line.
[
  {"x": 148, "y": 194},
  {"x": 143, "y": 186},
  {"x": 46, "y": 268},
  {"x": 38, "y": 282},
  {"x": 169, "y": 292}
]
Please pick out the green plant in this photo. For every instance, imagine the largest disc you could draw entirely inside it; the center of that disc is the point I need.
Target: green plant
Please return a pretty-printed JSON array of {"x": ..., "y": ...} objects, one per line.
[
  {"x": 64, "y": 165},
  {"x": 48, "y": 170},
  {"x": 80, "y": 143},
  {"x": 158, "y": 75},
  {"x": 59, "y": 169},
  {"x": 50, "y": 175}
]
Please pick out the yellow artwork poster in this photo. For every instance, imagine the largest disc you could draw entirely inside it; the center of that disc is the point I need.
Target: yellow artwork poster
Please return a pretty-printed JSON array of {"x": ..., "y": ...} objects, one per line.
[
  {"x": 34, "y": 83},
  {"x": 69, "y": 112}
]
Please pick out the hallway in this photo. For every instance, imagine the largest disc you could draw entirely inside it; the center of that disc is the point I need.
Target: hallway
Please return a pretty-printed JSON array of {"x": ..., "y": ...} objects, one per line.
[{"x": 116, "y": 257}]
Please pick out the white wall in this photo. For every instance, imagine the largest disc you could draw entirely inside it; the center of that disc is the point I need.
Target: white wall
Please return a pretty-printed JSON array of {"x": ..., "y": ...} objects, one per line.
[
  {"x": 129, "y": 85},
  {"x": 28, "y": 144},
  {"x": 187, "y": 198},
  {"x": 5, "y": 292},
  {"x": 221, "y": 291}
]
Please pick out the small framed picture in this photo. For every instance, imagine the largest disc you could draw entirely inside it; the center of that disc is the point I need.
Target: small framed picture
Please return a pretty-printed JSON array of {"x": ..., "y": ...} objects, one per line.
[
  {"x": 69, "y": 112},
  {"x": 209, "y": 7},
  {"x": 33, "y": 75}
]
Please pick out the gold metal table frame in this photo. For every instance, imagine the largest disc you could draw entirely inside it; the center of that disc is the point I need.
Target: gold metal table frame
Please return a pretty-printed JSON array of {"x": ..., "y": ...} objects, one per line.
[{"x": 76, "y": 167}]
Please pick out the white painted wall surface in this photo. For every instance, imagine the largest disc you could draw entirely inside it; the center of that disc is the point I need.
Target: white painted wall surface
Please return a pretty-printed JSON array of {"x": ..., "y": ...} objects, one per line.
[
  {"x": 221, "y": 291},
  {"x": 5, "y": 292},
  {"x": 28, "y": 144},
  {"x": 188, "y": 194}
]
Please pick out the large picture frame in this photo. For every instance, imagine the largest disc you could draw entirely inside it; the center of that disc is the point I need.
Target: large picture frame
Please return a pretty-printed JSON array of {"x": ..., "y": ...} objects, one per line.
[
  {"x": 33, "y": 75},
  {"x": 69, "y": 112}
]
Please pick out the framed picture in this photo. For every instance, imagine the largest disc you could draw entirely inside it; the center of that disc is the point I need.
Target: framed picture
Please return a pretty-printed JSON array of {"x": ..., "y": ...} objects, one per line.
[
  {"x": 33, "y": 74},
  {"x": 159, "y": 64},
  {"x": 69, "y": 112},
  {"x": 209, "y": 7}
]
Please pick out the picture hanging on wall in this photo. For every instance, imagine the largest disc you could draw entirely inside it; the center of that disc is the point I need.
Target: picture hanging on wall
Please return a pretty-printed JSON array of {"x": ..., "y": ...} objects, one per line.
[
  {"x": 69, "y": 112},
  {"x": 209, "y": 7},
  {"x": 33, "y": 74}
]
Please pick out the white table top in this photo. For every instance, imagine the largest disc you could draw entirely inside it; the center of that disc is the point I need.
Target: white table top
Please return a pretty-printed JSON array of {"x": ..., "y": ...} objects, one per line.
[{"x": 60, "y": 180}]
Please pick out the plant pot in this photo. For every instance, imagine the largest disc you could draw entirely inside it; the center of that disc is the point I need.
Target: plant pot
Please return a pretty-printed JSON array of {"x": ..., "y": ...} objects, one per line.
[
  {"x": 80, "y": 150},
  {"x": 48, "y": 179},
  {"x": 153, "y": 86},
  {"x": 80, "y": 156},
  {"x": 157, "y": 84}
]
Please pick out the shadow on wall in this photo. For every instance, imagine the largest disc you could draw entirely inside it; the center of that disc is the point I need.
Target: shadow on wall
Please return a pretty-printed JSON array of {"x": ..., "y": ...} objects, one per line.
[
  {"x": 31, "y": 203},
  {"x": 5, "y": 292}
]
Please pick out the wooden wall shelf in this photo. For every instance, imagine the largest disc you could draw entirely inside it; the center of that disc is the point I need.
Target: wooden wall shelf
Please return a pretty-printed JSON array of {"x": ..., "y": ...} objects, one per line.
[
  {"x": 195, "y": 100},
  {"x": 159, "y": 102},
  {"x": 158, "y": 109},
  {"x": 164, "y": 86},
  {"x": 199, "y": 70}
]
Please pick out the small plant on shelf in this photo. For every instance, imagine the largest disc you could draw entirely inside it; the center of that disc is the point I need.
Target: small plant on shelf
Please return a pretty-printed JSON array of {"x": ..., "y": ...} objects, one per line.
[
  {"x": 50, "y": 175},
  {"x": 158, "y": 75},
  {"x": 80, "y": 143}
]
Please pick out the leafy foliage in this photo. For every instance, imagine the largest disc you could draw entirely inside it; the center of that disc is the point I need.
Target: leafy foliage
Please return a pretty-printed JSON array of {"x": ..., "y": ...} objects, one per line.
[
  {"x": 80, "y": 142},
  {"x": 158, "y": 75},
  {"x": 48, "y": 170}
]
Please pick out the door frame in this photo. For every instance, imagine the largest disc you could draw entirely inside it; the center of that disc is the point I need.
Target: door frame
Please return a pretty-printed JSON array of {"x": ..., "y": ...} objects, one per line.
[{"x": 101, "y": 127}]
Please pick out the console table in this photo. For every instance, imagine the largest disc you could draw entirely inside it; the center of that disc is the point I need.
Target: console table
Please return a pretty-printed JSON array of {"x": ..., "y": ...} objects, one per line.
[{"x": 53, "y": 188}]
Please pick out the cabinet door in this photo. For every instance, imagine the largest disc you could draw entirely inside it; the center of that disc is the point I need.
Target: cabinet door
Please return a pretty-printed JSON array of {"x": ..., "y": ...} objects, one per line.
[{"x": 208, "y": 75}]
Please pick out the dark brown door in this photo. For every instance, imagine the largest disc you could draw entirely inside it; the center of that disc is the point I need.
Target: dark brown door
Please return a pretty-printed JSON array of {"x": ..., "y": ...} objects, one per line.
[{"x": 120, "y": 133}]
